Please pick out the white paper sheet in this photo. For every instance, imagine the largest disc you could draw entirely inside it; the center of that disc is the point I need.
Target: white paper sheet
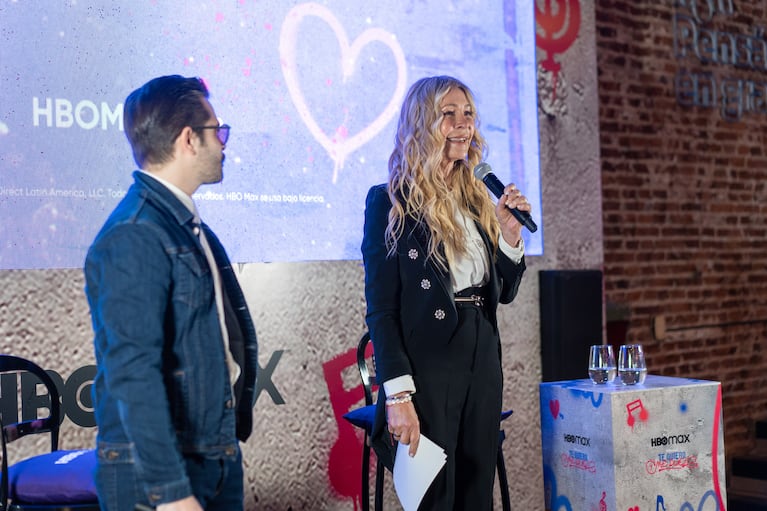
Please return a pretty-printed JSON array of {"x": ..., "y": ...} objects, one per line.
[{"x": 413, "y": 476}]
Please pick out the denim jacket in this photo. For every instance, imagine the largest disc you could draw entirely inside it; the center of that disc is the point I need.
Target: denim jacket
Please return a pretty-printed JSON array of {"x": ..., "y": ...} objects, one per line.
[{"x": 162, "y": 389}]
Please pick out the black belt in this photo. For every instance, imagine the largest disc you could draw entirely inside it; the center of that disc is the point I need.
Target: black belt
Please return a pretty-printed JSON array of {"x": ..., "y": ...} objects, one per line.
[{"x": 471, "y": 296}]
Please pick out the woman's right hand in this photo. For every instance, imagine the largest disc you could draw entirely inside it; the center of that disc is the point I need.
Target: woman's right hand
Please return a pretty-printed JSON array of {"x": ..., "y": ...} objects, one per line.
[{"x": 403, "y": 424}]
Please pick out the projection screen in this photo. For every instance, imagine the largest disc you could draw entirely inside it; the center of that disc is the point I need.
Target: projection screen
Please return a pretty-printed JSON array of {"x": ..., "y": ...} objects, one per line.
[{"x": 311, "y": 91}]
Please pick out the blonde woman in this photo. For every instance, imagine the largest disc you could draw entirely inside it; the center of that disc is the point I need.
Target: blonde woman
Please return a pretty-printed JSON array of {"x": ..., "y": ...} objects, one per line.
[{"x": 439, "y": 256}]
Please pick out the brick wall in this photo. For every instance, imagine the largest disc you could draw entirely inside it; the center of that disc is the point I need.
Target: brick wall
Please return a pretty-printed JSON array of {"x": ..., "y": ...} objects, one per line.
[{"x": 683, "y": 185}]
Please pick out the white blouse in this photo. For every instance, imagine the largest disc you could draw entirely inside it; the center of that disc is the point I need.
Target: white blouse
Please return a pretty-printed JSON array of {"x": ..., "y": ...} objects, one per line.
[{"x": 471, "y": 268}]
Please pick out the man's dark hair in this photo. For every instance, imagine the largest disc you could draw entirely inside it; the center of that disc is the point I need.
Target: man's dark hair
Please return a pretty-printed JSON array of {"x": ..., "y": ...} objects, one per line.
[{"x": 155, "y": 113}]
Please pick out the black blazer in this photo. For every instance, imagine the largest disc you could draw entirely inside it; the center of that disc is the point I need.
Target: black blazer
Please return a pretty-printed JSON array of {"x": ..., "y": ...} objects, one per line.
[{"x": 411, "y": 310}]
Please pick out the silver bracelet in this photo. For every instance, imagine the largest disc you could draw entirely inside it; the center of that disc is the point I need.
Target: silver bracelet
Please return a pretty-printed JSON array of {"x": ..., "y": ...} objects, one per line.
[{"x": 390, "y": 401}]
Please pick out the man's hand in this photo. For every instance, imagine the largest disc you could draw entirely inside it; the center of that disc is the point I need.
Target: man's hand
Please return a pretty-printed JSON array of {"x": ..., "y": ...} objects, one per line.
[{"x": 188, "y": 504}]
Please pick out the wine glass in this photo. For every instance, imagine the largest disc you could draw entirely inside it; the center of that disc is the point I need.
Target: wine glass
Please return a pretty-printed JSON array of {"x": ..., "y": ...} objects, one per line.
[
  {"x": 631, "y": 364},
  {"x": 601, "y": 363}
]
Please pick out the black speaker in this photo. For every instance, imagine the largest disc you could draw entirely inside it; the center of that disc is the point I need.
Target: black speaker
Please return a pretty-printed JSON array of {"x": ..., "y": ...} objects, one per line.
[{"x": 571, "y": 321}]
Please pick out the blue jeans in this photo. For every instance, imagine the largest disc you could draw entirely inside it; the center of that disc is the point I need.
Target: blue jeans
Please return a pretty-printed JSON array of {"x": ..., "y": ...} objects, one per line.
[{"x": 217, "y": 483}]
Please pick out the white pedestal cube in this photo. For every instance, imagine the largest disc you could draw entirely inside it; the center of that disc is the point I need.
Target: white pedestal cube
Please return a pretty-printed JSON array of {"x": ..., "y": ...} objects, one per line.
[{"x": 658, "y": 446}]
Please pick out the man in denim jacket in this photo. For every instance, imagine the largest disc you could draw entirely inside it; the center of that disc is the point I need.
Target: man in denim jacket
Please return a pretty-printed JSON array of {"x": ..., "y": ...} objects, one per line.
[{"x": 175, "y": 344}]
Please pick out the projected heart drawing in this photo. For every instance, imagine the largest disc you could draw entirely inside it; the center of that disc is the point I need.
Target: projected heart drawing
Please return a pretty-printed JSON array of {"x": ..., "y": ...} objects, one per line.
[{"x": 339, "y": 144}]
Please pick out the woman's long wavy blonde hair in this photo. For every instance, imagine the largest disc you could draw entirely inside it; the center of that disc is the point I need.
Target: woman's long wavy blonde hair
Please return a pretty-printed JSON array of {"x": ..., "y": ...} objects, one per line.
[{"x": 417, "y": 186}]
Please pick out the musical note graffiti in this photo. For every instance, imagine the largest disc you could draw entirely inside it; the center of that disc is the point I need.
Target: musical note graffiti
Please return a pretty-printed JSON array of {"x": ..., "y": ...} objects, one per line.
[{"x": 631, "y": 408}]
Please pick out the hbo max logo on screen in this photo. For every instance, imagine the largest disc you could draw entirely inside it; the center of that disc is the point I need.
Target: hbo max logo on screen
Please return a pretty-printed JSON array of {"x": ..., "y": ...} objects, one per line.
[{"x": 85, "y": 114}]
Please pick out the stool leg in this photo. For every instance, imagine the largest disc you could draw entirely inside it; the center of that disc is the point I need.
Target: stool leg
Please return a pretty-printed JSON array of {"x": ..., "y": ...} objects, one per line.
[
  {"x": 380, "y": 471},
  {"x": 365, "y": 475},
  {"x": 502, "y": 478}
]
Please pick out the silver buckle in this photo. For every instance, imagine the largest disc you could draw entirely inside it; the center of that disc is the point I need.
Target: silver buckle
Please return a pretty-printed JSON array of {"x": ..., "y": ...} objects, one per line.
[{"x": 477, "y": 300}]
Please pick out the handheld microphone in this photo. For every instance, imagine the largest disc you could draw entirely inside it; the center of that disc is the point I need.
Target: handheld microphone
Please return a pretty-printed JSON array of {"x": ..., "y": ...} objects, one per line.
[{"x": 484, "y": 173}]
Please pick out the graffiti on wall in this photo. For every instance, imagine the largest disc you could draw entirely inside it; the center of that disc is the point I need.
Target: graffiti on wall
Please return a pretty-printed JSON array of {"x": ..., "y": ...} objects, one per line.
[
  {"x": 557, "y": 24},
  {"x": 346, "y": 393}
]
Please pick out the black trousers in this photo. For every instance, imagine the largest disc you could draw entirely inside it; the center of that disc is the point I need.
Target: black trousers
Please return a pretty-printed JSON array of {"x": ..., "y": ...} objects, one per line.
[{"x": 458, "y": 400}]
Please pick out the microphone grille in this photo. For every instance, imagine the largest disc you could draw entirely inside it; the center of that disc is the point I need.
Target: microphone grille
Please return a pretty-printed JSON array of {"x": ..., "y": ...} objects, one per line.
[{"x": 482, "y": 170}]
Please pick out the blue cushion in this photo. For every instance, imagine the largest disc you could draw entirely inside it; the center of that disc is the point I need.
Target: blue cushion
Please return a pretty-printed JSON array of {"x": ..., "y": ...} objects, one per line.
[
  {"x": 362, "y": 417},
  {"x": 57, "y": 477}
]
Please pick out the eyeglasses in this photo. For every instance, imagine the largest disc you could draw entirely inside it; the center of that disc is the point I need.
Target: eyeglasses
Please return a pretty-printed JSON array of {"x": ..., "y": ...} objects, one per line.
[{"x": 222, "y": 132}]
